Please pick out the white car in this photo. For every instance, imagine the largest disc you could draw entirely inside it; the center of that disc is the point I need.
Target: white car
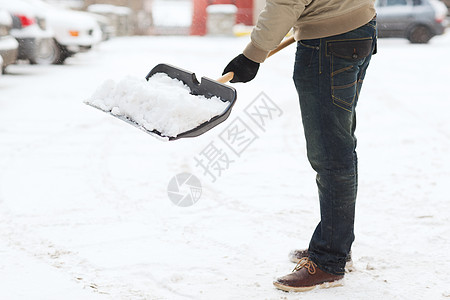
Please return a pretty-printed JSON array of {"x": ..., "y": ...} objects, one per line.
[
  {"x": 29, "y": 29},
  {"x": 8, "y": 44},
  {"x": 74, "y": 31}
]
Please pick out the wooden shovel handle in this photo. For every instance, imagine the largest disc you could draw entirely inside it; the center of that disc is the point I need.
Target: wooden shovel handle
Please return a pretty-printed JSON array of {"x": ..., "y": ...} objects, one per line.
[
  {"x": 282, "y": 45},
  {"x": 228, "y": 76}
]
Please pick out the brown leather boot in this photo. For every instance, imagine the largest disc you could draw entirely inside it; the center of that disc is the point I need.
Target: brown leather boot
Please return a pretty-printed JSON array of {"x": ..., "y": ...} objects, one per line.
[
  {"x": 296, "y": 255},
  {"x": 307, "y": 276}
]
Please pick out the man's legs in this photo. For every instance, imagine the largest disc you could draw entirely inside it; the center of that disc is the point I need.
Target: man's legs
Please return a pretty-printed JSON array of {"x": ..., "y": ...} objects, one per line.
[{"x": 328, "y": 76}]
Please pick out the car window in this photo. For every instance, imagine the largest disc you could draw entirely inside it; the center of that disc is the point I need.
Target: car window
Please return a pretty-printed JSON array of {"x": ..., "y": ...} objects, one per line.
[
  {"x": 396, "y": 2},
  {"x": 417, "y": 2}
]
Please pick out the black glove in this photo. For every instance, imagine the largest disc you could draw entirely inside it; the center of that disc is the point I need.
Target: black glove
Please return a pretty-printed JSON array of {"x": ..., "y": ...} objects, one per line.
[{"x": 244, "y": 69}]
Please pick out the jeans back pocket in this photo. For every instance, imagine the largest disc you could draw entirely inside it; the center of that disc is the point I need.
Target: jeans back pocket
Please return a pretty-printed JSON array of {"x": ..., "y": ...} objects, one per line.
[{"x": 346, "y": 58}]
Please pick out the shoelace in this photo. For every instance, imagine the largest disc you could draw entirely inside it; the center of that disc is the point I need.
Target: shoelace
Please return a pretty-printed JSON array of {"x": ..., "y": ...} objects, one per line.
[{"x": 306, "y": 263}]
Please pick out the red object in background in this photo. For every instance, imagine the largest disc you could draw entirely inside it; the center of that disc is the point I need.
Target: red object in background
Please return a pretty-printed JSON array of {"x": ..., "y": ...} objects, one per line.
[
  {"x": 244, "y": 13},
  {"x": 25, "y": 20}
]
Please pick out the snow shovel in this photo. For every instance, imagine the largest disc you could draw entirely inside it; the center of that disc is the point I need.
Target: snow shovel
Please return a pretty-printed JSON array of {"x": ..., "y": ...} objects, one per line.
[{"x": 206, "y": 87}]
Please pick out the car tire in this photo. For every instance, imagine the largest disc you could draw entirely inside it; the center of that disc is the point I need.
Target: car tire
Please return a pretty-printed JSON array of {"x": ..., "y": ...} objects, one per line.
[
  {"x": 49, "y": 52},
  {"x": 420, "y": 34},
  {"x": 64, "y": 54}
]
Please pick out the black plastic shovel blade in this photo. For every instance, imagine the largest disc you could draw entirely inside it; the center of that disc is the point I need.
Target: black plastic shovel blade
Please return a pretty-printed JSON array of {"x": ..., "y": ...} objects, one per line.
[{"x": 206, "y": 87}]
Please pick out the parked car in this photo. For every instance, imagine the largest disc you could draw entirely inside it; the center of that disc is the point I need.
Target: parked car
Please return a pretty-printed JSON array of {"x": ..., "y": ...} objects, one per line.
[
  {"x": 30, "y": 30},
  {"x": 75, "y": 31},
  {"x": 8, "y": 44},
  {"x": 119, "y": 17},
  {"x": 416, "y": 20},
  {"x": 108, "y": 30},
  {"x": 447, "y": 3}
]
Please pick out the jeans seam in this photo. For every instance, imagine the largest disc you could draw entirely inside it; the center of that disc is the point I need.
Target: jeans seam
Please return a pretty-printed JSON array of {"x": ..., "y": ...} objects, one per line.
[
  {"x": 341, "y": 70},
  {"x": 320, "y": 56},
  {"x": 349, "y": 105},
  {"x": 373, "y": 26},
  {"x": 307, "y": 46}
]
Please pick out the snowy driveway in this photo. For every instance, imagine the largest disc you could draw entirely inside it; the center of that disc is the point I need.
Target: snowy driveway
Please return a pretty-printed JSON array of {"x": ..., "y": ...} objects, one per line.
[{"x": 84, "y": 209}]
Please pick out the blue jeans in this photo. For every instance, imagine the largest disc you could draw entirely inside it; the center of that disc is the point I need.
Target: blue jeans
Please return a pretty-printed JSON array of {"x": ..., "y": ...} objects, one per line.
[{"x": 328, "y": 75}]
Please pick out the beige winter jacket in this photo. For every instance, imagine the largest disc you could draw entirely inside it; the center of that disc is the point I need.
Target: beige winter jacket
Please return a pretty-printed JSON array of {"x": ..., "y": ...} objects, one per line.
[{"x": 310, "y": 19}]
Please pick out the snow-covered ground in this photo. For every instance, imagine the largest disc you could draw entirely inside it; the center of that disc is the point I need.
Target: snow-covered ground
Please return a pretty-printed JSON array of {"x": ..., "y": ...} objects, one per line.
[{"x": 84, "y": 205}]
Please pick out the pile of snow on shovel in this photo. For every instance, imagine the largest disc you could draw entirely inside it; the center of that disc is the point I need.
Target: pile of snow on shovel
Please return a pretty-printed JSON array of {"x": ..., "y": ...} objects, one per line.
[{"x": 161, "y": 103}]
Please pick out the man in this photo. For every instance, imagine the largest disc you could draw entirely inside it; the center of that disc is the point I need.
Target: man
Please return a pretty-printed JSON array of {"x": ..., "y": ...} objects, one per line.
[{"x": 336, "y": 39}]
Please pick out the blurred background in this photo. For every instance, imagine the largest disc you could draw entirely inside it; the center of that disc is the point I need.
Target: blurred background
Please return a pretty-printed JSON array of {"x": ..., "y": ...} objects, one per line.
[{"x": 50, "y": 31}]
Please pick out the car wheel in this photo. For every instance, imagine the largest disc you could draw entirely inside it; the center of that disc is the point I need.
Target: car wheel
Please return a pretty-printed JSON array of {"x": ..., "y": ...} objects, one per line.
[
  {"x": 420, "y": 35},
  {"x": 49, "y": 52},
  {"x": 64, "y": 54}
]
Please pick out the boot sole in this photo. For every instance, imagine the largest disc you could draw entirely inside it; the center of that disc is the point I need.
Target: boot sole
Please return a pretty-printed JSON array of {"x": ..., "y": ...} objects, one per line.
[{"x": 324, "y": 285}]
